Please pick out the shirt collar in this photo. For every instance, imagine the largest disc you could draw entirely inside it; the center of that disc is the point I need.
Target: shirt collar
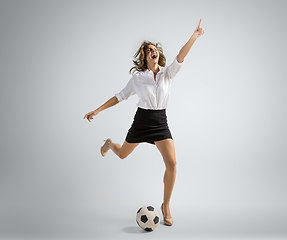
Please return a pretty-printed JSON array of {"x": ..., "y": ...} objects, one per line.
[{"x": 160, "y": 69}]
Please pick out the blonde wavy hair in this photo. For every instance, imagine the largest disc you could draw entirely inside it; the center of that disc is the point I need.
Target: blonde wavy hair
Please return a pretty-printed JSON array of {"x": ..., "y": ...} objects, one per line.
[{"x": 140, "y": 57}]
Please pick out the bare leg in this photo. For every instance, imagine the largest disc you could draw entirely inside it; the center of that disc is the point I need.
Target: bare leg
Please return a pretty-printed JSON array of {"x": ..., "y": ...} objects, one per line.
[
  {"x": 121, "y": 151},
  {"x": 166, "y": 148}
]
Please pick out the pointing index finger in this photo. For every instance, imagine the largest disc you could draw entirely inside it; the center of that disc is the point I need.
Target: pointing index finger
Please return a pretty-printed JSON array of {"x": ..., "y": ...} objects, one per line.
[{"x": 199, "y": 23}]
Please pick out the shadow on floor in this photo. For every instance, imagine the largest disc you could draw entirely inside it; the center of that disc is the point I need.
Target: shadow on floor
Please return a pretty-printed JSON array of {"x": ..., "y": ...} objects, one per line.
[{"x": 135, "y": 230}]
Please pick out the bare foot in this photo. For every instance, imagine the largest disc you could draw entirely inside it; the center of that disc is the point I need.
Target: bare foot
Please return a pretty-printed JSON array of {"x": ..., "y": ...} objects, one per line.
[{"x": 106, "y": 147}]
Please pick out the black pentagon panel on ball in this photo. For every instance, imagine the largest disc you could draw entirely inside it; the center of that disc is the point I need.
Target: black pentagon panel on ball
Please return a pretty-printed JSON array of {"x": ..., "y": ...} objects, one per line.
[
  {"x": 144, "y": 218},
  {"x": 156, "y": 220},
  {"x": 148, "y": 229},
  {"x": 150, "y": 208},
  {"x": 139, "y": 210}
]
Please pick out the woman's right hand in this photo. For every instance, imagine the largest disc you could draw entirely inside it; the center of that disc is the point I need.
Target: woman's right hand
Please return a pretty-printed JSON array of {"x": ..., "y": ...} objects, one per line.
[{"x": 91, "y": 114}]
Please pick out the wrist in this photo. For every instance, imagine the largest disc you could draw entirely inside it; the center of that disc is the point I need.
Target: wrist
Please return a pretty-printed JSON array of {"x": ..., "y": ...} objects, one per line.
[{"x": 194, "y": 36}]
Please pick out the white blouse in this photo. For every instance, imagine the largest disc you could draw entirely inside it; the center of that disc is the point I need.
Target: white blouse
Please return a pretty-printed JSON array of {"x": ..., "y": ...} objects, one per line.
[{"x": 152, "y": 93}]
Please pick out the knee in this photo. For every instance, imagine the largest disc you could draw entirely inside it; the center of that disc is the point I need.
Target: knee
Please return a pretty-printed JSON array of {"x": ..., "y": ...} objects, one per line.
[
  {"x": 171, "y": 165},
  {"x": 122, "y": 156}
]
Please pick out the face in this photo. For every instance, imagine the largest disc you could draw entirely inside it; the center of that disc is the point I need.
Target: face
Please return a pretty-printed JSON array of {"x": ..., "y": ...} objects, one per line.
[{"x": 152, "y": 55}]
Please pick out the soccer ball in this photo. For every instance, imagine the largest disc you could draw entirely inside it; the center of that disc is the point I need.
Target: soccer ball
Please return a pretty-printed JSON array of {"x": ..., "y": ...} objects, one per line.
[{"x": 148, "y": 218}]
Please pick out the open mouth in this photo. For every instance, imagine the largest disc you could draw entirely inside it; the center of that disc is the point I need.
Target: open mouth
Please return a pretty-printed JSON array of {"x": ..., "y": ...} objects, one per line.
[{"x": 153, "y": 56}]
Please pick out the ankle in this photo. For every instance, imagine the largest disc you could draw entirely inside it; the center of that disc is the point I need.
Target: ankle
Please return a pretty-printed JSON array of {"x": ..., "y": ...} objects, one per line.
[
  {"x": 109, "y": 142},
  {"x": 165, "y": 205}
]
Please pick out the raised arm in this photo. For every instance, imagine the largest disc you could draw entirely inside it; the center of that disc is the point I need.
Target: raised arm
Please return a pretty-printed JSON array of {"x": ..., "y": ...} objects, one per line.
[{"x": 186, "y": 48}]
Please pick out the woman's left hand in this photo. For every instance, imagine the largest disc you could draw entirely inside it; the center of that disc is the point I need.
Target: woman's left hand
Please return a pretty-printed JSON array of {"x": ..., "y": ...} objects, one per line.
[{"x": 198, "y": 31}]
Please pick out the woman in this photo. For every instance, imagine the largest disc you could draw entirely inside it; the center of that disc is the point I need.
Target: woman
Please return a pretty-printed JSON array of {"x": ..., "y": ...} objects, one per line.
[{"x": 152, "y": 85}]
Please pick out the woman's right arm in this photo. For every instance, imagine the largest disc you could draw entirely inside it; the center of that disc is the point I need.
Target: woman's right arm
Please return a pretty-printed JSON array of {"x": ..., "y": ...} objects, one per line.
[{"x": 111, "y": 102}]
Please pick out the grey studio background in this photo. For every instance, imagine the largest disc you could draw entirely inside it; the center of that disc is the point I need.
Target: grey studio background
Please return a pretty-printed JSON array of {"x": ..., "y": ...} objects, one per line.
[{"x": 227, "y": 113}]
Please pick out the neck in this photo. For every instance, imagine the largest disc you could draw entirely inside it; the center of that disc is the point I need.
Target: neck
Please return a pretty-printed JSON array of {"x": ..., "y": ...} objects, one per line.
[{"x": 154, "y": 67}]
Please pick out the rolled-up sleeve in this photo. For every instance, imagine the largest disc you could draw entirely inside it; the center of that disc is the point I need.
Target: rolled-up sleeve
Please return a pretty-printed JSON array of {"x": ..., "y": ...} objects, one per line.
[
  {"x": 173, "y": 68},
  {"x": 127, "y": 91}
]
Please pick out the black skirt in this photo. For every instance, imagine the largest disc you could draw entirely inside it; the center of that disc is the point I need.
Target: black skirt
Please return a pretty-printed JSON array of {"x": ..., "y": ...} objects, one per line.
[{"x": 149, "y": 126}]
